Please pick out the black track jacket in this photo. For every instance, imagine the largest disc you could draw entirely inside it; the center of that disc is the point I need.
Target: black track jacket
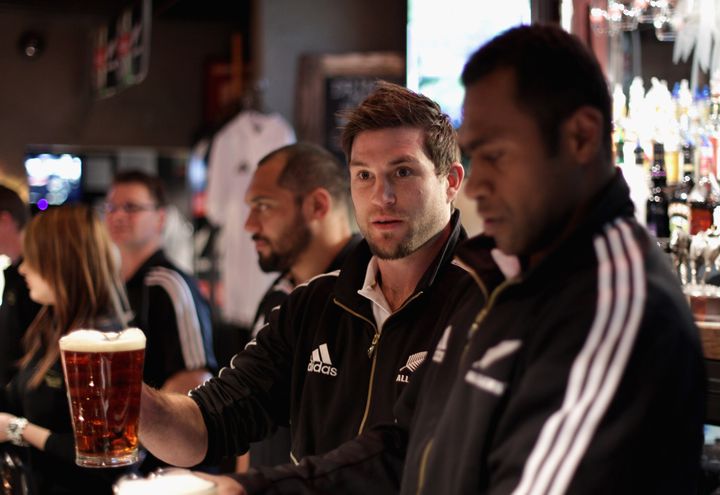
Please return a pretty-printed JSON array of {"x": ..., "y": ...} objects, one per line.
[
  {"x": 322, "y": 366},
  {"x": 583, "y": 375}
]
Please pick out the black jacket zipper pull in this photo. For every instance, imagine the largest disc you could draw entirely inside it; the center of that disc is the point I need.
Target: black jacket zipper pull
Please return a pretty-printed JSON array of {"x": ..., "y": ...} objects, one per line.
[{"x": 375, "y": 339}]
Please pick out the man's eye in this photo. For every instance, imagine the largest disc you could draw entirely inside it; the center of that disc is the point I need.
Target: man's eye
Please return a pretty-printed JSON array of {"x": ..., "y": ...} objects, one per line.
[
  {"x": 404, "y": 172},
  {"x": 486, "y": 158},
  {"x": 363, "y": 175},
  {"x": 491, "y": 157}
]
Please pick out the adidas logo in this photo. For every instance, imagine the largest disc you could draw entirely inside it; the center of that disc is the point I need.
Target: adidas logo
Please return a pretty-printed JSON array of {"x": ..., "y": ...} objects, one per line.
[
  {"x": 439, "y": 353},
  {"x": 413, "y": 363},
  {"x": 320, "y": 362}
]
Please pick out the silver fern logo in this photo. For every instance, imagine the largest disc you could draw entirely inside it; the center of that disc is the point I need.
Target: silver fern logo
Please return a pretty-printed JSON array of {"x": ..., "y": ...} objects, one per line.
[{"x": 413, "y": 363}]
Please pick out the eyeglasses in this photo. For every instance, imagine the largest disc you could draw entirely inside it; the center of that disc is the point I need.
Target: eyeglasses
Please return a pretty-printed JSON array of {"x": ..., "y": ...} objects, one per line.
[{"x": 129, "y": 208}]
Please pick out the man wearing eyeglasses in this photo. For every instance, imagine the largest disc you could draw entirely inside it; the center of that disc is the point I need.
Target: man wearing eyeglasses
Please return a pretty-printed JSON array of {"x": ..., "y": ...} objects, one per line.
[{"x": 167, "y": 304}]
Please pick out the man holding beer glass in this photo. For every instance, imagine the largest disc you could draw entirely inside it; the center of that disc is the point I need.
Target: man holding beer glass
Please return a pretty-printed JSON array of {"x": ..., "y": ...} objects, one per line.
[
  {"x": 70, "y": 268},
  {"x": 333, "y": 359}
]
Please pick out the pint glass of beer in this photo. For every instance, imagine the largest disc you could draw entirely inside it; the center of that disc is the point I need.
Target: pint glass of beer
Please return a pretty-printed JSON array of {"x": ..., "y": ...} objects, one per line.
[{"x": 103, "y": 376}]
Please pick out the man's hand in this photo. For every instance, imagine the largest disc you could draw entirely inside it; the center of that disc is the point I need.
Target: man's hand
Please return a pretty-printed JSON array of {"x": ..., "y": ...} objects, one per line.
[{"x": 225, "y": 484}]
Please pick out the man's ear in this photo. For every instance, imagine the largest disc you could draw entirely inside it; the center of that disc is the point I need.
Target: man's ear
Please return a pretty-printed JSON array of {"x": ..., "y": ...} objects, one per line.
[
  {"x": 6, "y": 219},
  {"x": 162, "y": 218},
  {"x": 454, "y": 178},
  {"x": 316, "y": 204},
  {"x": 583, "y": 133}
]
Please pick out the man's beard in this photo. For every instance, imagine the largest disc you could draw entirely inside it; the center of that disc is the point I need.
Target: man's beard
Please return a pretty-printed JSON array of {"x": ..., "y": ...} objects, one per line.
[
  {"x": 418, "y": 236},
  {"x": 402, "y": 249},
  {"x": 292, "y": 243}
]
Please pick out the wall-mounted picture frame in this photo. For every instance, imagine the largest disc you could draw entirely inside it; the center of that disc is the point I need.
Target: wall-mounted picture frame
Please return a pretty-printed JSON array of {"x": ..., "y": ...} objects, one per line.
[{"x": 331, "y": 83}]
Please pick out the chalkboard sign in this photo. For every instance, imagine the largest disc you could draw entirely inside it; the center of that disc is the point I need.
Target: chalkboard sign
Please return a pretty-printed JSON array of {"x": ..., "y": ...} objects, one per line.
[
  {"x": 330, "y": 84},
  {"x": 343, "y": 93}
]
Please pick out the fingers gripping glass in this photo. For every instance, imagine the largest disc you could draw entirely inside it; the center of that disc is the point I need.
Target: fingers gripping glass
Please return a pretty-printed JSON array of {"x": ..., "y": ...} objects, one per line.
[{"x": 129, "y": 208}]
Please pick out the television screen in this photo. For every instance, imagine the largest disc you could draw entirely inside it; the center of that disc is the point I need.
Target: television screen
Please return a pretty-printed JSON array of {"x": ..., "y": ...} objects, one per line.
[
  {"x": 54, "y": 179},
  {"x": 441, "y": 36}
]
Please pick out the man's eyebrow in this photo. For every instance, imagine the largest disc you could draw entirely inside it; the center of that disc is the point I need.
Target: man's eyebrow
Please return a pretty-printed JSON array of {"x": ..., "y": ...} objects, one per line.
[
  {"x": 403, "y": 159},
  {"x": 469, "y": 147},
  {"x": 258, "y": 198},
  {"x": 399, "y": 160}
]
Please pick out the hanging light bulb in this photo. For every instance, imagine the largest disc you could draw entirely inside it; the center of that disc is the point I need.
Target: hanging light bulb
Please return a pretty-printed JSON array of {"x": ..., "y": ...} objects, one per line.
[
  {"x": 666, "y": 25},
  {"x": 625, "y": 13},
  {"x": 649, "y": 10}
]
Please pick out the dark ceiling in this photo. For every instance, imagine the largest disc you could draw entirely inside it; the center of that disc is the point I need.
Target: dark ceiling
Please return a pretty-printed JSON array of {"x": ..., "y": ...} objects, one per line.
[{"x": 190, "y": 10}]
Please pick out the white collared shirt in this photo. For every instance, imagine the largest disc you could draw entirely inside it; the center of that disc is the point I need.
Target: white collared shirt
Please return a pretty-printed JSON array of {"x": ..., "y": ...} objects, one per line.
[{"x": 372, "y": 291}]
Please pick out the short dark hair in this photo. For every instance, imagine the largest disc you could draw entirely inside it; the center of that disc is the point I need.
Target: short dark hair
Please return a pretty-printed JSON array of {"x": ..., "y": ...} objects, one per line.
[
  {"x": 11, "y": 202},
  {"x": 390, "y": 106},
  {"x": 309, "y": 166},
  {"x": 555, "y": 74},
  {"x": 151, "y": 182}
]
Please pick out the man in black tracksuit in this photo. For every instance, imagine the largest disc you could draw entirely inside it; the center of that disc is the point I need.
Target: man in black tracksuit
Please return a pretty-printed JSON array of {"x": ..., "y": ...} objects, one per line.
[
  {"x": 167, "y": 304},
  {"x": 300, "y": 220},
  {"x": 334, "y": 357},
  {"x": 573, "y": 365},
  {"x": 332, "y": 370}
]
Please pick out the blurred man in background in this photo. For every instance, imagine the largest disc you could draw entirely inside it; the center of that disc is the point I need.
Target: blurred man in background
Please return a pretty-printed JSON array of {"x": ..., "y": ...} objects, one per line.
[{"x": 17, "y": 310}]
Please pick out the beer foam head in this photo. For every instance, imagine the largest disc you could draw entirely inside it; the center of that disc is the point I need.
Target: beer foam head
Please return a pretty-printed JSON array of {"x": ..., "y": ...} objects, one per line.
[
  {"x": 181, "y": 482},
  {"x": 130, "y": 339}
]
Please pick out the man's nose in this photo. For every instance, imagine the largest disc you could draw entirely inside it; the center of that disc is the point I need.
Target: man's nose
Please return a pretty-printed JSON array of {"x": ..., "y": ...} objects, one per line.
[
  {"x": 251, "y": 224},
  {"x": 477, "y": 184},
  {"x": 384, "y": 191}
]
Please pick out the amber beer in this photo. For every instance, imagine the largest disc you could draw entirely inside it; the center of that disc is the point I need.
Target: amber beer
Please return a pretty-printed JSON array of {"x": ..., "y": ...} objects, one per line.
[{"x": 103, "y": 376}]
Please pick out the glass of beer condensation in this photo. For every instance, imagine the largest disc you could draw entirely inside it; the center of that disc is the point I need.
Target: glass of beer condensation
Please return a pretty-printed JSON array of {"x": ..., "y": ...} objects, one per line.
[{"x": 103, "y": 375}]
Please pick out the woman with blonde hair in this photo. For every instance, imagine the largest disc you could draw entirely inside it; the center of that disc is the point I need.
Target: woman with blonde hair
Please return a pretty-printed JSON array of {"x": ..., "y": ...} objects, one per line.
[{"x": 71, "y": 268}]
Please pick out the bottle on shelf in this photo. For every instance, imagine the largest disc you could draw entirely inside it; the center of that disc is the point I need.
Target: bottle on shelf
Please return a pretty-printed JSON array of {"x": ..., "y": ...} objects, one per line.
[
  {"x": 636, "y": 178},
  {"x": 713, "y": 121},
  {"x": 704, "y": 198},
  {"x": 679, "y": 208},
  {"x": 658, "y": 222}
]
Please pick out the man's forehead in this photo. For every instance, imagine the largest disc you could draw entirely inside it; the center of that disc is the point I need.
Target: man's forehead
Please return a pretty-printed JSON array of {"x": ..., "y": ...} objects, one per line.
[
  {"x": 131, "y": 189},
  {"x": 264, "y": 185},
  {"x": 478, "y": 128},
  {"x": 266, "y": 176},
  {"x": 393, "y": 145},
  {"x": 486, "y": 105}
]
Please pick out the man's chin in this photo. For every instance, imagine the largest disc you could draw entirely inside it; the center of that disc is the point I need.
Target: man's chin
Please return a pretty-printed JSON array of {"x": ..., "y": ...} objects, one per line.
[
  {"x": 270, "y": 265},
  {"x": 267, "y": 268},
  {"x": 395, "y": 252}
]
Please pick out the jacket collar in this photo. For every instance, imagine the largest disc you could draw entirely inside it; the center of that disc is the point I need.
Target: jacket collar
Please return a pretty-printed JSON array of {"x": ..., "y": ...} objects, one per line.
[
  {"x": 611, "y": 202},
  {"x": 335, "y": 264},
  {"x": 349, "y": 247},
  {"x": 354, "y": 268},
  {"x": 157, "y": 258}
]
